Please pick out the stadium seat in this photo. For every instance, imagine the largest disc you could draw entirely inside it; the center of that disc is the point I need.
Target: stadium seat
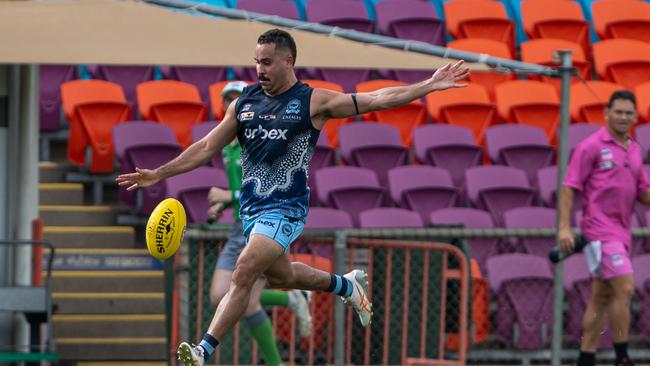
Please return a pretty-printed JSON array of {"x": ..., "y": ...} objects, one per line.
[
  {"x": 522, "y": 147},
  {"x": 174, "y": 103},
  {"x": 389, "y": 217},
  {"x": 93, "y": 107},
  {"x": 642, "y": 92},
  {"x": 641, "y": 267},
  {"x": 201, "y": 77},
  {"x": 547, "y": 186},
  {"x": 497, "y": 189},
  {"x": 589, "y": 99},
  {"x": 192, "y": 189},
  {"x": 281, "y": 8},
  {"x": 623, "y": 61},
  {"x": 145, "y": 145},
  {"x": 374, "y": 146},
  {"x": 331, "y": 129},
  {"x": 49, "y": 93},
  {"x": 579, "y": 132},
  {"x": 532, "y": 218},
  {"x": 324, "y": 156},
  {"x": 486, "y": 19},
  {"x": 410, "y": 20},
  {"x": 468, "y": 107},
  {"x": 577, "y": 285},
  {"x": 622, "y": 19},
  {"x": 350, "y": 189},
  {"x": 531, "y": 103},
  {"x": 422, "y": 189},
  {"x": 540, "y": 51},
  {"x": 470, "y": 218},
  {"x": 347, "y": 15},
  {"x": 405, "y": 118},
  {"x": 327, "y": 218},
  {"x": 490, "y": 47},
  {"x": 523, "y": 285},
  {"x": 126, "y": 76},
  {"x": 198, "y": 132},
  {"x": 558, "y": 19},
  {"x": 450, "y": 147}
]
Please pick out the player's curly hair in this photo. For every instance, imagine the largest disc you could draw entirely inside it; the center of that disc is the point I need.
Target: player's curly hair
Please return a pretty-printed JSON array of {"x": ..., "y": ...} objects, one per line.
[{"x": 281, "y": 39}]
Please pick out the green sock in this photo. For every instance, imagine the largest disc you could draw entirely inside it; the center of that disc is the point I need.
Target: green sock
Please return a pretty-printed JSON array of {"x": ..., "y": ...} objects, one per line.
[
  {"x": 274, "y": 298},
  {"x": 261, "y": 329}
]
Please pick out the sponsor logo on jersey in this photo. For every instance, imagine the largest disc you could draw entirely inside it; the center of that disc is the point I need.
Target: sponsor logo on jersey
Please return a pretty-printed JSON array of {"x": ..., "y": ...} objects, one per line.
[
  {"x": 246, "y": 107},
  {"x": 267, "y": 117},
  {"x": 293, "y": 107},
  {"x": 267, "y": 223},
  {"x": 246, "y": 116},
  {"x": 263, "y": 133}
]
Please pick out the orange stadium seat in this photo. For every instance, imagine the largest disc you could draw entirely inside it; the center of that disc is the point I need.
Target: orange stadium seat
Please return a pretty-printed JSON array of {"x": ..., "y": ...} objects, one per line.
[
  {"x": 468, "y": 107},
  {"x": 642, "y": 92},
  {"x": 331, "y": 128},
  {"x": 559, "y": 19},
  {"x": 540, "y": 51},
  {"x": 480, "y": 19},
  {"x": 216, "y": 103},
  {"x": 493, "y": 48},
  {"x": 529, "y": 102},
  {"x": 405, "y": 118},
  {"x": 588, "y": 100},
  {"x": 93, "y": 107},
  {"x": 174, "y": 103},
  {"x": 622, "y": 19},
  {"x": 623, "y": 61}
]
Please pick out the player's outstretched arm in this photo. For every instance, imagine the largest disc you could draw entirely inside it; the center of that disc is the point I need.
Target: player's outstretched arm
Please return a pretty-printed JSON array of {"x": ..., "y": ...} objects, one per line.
[
  {"x": 338, "y": 105},
  {"x": 194, "y": 156}
]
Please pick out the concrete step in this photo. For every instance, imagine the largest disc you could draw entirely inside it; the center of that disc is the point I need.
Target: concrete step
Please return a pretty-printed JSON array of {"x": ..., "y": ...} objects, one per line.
[
  {"x": 90, "y": 236},
  {"x": 109, "y": 302},
  {"x": 113, "y": 348},
  {"x": 108, "y": 325},
  {"x": 74, "y": 215},
  {"x": 103, "y": 259},
  {"x": 60, "y": 194},
  {"x": 51, "y": 172},
  {"x": 107, "y": 281}
]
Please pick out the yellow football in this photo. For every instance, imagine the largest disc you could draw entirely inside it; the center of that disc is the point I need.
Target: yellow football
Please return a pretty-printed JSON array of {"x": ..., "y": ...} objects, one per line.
[{"x": 165, "y": 228}]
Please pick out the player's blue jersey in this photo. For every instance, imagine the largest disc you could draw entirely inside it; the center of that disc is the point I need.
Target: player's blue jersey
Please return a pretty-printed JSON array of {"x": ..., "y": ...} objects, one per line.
[{"x": 277, "y": 139}]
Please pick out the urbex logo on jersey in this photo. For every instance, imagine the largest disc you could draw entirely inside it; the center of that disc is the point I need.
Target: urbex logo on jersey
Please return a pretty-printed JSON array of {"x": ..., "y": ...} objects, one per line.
[{"x": 263, "y": 133}]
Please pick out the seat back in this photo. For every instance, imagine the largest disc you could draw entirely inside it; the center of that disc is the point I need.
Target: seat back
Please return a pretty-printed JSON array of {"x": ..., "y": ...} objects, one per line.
[
  {"x": 331, "y": 129},
  {"x": 410, "y": 19},
  {"x": 49, "y": 93},
  {"x": 588, "y": 100},
  {"x": 389, "y": 217},
  {"x": 622, "y": 19},
  {"x": 480, "y": 19},
  {"x": 623, "y": 61}
]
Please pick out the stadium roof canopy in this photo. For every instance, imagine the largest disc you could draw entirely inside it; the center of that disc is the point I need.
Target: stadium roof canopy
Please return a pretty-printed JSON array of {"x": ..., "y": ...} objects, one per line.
[{"x": 136, "y": 33}]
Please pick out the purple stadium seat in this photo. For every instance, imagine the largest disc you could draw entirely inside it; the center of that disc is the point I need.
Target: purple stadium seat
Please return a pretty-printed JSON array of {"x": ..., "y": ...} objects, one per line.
[
  {"x": 344, "y": 14},
  {"x": 642, "y": 136},
  {"x": 347, "y": 78},
  {"x": 350, "y": 189},
  {"x": 498, "y": 189},
  {"x": 202, "y": 129},
  {"x": 374, "y": 146},
  {"x": 324, "y": 155},
  {"x": 641, "y": 209},
  {"x": 519, "y": 146},
  {"x": 51, "y": 78},
  {"x": 422, "y": 189},
  {"x": 281, "y": 8},
  {"x": 192, "y": 189},
  {"x": 532, "y": 217},
  {"x": 471, "y": 218},
  {"x": 410, "y": 20},
  {"x": 641, "y": 267},
  {"x": 579, "y": 132},
  {"x": 451, "y": 147},
  {"x": 202, "y": 77},
  {"x": 144, "y": 145},
  {"x": 523, "y": 285},
  {"x": 547, "y": 185},
  {"x": 577, "y": 285},
  {"x": 327, "y": 218},
  {"x": 389, "y": 217},
  {"x": 127, "y": 76}
]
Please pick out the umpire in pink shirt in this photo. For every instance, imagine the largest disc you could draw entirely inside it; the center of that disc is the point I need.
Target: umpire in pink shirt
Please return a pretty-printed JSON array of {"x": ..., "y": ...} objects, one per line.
[{"x": 607, "y": 168}]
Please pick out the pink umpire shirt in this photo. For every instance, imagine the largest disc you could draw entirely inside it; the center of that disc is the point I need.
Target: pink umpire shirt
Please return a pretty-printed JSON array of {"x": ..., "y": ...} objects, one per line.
[{"x": 610, "y": 179}]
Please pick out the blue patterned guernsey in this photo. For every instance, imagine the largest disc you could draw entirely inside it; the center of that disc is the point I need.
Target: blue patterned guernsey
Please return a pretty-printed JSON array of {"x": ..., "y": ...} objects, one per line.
[{"x": 277, "y": 139}]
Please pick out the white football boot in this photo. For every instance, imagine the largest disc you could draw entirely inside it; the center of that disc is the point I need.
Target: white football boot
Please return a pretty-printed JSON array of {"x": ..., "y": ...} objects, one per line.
[
  {"x": 359, "y": 298},
  {"x": 190, "y": 355}
]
